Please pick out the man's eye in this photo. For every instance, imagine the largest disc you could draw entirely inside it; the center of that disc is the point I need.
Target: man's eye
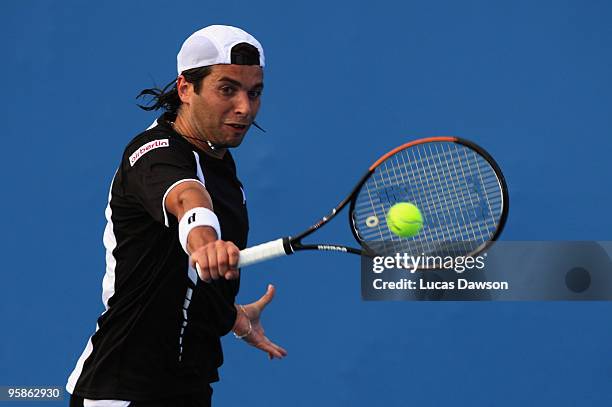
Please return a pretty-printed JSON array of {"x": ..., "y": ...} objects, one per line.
[
  {"x": 227, "y": 90},
  {"x": 254, "y": 94}
]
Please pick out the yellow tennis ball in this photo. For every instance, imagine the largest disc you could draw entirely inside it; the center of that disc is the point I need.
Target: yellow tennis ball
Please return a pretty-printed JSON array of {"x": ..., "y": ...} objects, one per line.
[{"x": 404, "y": 219}]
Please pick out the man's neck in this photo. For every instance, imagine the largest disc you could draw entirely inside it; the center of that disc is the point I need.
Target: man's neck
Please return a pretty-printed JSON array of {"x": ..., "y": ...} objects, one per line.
[{"x": 184, "y": 128}]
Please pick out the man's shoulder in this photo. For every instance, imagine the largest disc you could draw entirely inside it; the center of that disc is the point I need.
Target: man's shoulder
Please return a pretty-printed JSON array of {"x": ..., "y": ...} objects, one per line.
[
  {"x": 157, "y": 136},
  {"x": 156, "y": 132}
]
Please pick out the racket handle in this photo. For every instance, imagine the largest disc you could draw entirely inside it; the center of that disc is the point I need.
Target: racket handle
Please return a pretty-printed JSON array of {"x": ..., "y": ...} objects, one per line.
[
  {"x": 262, "y": 252},
  {"x": 265, "y": 251}
]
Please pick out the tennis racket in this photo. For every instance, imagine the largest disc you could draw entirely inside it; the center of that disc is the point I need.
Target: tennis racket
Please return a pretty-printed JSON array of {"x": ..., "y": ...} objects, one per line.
[{"x": 456, "y": 184}]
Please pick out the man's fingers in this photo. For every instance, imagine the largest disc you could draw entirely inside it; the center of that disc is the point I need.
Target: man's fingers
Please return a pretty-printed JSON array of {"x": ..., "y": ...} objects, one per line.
[
  {"x": 233, "y": 255},
  {"x": 232, "y": 274},
  {"x": 216, "y": 260},
  {"x": 281, "y": 351},
  {"x": 222, "y": 258},
  {"x": 278, "y": 352},
  {"x": 212, "y": 264},
  {"x": 272, "y": 349},
  {"x": 202, "y": 268}
]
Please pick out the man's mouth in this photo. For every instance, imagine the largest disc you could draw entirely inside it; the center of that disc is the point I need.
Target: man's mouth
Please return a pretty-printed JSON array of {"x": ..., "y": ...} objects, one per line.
[{"x": 237, "y": 125}]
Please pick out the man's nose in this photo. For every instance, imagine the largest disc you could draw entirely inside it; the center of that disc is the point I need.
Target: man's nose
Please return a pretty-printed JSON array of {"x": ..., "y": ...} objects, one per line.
[{"x": 243, "y": 104}]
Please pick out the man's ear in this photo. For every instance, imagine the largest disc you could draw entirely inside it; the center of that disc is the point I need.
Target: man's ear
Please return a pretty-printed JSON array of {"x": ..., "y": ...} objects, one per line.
[{"x": 184, "y": 89}]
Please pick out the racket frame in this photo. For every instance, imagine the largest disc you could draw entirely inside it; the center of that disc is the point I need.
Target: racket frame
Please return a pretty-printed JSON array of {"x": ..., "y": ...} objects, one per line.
[{"x": 290, "y": 244}]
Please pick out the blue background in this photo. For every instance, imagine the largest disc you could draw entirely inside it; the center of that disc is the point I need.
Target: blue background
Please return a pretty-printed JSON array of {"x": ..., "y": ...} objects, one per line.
[{"x": 345, "y": 81}]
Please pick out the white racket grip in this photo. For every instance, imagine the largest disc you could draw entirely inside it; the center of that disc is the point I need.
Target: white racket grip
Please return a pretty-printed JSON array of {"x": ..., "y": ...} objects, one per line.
[{"x": 262, "y": 252}]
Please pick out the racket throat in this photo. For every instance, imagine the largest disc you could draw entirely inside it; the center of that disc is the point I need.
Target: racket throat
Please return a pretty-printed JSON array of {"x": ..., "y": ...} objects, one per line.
[
  {"x": 287, "y": 245},
  {"x": 332, "y": 248}
]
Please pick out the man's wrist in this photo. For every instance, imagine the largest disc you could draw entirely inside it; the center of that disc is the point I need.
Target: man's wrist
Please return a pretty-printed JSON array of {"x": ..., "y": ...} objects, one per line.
[
  {"x": 199, "y": 237},
  {"x": 194, "y": 218},
  {"x": 242, "y": 332}
]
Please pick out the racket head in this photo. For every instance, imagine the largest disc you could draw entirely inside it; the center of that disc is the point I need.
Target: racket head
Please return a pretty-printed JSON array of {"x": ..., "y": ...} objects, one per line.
[{"x": 457, "y": 185}]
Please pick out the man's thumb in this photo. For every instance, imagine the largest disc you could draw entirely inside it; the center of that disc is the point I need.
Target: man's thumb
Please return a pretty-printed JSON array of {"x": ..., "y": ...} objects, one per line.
[{"x": 267, "y": 297}]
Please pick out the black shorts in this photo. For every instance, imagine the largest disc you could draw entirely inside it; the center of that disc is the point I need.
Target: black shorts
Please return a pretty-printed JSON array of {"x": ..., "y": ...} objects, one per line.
[{"x": 202, "y": 399}]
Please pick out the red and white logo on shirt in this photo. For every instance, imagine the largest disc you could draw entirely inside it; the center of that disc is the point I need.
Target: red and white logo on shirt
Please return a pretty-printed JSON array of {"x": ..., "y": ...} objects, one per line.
[{"x": 145, "y": 148}]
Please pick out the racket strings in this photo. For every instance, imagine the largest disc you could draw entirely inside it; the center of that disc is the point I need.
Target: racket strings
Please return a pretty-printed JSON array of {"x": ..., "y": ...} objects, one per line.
[
  {"x": 444, "y": 205},
  {"x": 493, "y": 223},
  {"x": 450, "y": 185},
  {"x": 475, "y": 233},
  {"x": 485, "y": 231},
  {"x": 456, "y": 189}
]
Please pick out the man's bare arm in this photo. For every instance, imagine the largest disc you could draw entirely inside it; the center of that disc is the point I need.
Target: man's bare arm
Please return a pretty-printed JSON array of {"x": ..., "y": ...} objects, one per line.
[{"x": 216, "y": 258}]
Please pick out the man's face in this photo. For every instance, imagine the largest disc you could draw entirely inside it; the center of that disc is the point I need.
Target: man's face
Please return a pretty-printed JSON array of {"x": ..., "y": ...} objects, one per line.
[{"x": 227, "y": 104}]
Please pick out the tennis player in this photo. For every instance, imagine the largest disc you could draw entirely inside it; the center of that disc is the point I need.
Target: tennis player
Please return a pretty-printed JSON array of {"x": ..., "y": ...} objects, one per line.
[{"x": 174, "y": 201}]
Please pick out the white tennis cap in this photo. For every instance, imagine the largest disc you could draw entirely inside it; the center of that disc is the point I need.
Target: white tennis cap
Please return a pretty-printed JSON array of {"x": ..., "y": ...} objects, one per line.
[{"x": 213, "y": 45}]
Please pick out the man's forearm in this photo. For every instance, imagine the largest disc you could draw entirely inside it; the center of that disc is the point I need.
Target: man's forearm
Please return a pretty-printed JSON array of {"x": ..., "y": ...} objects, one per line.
[{"x": 185, "y": 198}]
